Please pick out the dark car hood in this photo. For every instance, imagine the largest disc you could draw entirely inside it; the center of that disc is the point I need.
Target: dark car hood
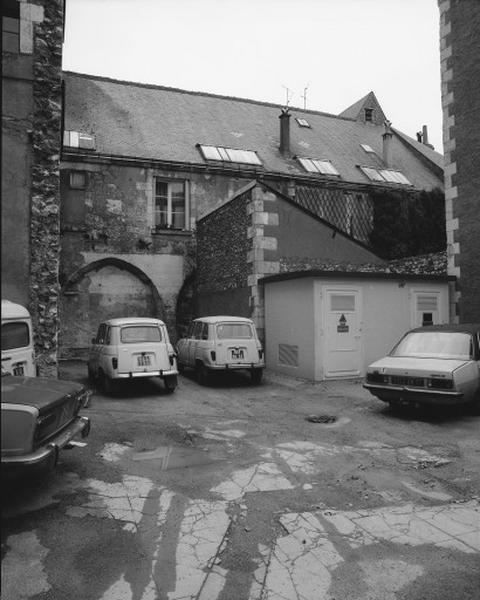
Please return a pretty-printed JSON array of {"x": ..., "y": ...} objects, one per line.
[{"x": 36, "y": 391}]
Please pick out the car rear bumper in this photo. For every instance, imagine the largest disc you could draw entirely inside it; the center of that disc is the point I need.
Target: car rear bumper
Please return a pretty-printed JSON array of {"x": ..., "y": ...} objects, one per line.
[
  {"x": 48, "y": 454},
  {"x": 235, "y": 366},
  {"x": 135, "y": 374},
  {"x": 412, "y": 395}
]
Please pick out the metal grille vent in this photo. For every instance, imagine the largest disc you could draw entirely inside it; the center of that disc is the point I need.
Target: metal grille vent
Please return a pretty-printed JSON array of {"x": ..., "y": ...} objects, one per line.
[
  {"x": 351, "y": 212},
  {"x": 288, "y": 355}
]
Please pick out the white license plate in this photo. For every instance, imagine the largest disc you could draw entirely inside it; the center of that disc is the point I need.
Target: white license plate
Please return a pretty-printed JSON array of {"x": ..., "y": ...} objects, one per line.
[
  {"x": 143, "y": 360},
  {"x": 18, "y": 370},
  {"x": 237, "y": 354}
]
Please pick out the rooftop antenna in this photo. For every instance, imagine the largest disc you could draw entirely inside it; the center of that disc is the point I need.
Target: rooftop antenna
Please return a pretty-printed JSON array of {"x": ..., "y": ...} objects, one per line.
[
  {"x": 304, "y": 96},
  {"x": 288, "y": 90}
]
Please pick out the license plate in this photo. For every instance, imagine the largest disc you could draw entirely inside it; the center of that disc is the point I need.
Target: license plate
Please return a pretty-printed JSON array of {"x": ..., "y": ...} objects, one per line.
[
  {"x": 237, "y": 353},
  {"x": 18, "y": 370},
  {"x": 143, "y": 360}
]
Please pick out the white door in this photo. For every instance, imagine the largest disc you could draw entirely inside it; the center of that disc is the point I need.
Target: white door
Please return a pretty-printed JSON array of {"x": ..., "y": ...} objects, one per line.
[{"x": 342, "y": 356}]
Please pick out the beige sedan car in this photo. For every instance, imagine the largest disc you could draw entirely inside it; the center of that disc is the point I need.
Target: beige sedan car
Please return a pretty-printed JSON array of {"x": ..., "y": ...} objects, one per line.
[{"x": 438, "y": 364}]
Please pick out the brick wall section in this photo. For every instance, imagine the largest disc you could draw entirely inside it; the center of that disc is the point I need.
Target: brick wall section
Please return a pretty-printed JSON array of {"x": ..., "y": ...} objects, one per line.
[
  {"x": 222, "y": 247},
  {"x": 45, "y": 199},
  {"x": 460, "y": 68}
]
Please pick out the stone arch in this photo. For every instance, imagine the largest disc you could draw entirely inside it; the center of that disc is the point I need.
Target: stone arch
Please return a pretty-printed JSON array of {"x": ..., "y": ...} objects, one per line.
[{"x": 105, "y": 288}]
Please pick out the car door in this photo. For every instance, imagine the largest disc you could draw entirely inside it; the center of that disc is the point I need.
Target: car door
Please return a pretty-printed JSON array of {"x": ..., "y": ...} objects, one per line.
[
  {"x": 96, "y": 350},
  {"x": 193, "y": 342}
]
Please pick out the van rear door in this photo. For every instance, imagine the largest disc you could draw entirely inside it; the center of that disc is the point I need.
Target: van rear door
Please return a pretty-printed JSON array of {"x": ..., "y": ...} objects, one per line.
[
  {"x": 142, "y": 348},
  {"x": 17, "y": 341}
]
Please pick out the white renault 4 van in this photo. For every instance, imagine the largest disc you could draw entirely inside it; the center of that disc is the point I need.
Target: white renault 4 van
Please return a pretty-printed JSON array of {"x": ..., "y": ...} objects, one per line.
[
  {"x": 128, "y": 348},
  {"x": 221, "y": 343},
  {"x": 18, "y": 356}
]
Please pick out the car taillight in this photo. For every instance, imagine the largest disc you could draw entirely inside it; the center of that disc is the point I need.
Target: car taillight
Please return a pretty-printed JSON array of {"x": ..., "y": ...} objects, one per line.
[
  {"x": 260, "y": 353},
  {"x": 115, "y": 362},
  {"x": 171, "y": 358},
  {"x": 440, "y": 384},
  {"x": 213, "y": 355}
]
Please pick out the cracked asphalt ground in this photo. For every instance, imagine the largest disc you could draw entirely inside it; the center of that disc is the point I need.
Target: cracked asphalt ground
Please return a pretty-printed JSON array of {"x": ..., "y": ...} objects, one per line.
[{"x": 228, "y": 492}]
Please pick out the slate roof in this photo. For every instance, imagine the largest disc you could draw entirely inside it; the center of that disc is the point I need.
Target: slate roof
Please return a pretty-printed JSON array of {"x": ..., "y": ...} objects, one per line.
[{"x": 165, "y": 124}]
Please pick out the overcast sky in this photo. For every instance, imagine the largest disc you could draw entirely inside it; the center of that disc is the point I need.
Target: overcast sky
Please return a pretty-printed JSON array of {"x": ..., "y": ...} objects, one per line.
[{"x": 339, "y": 50}]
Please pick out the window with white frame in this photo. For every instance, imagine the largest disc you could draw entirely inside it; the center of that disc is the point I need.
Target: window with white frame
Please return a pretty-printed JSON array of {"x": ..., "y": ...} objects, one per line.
[
  {"x": 385, "y": 175},
  {"x": 315, "y": 165},
  {"x": 170, "y": 208},
  {"x": 219, "y": 153}
]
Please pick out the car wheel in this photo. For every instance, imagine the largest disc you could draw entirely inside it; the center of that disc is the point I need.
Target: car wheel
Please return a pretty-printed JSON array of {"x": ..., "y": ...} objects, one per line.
[
  {"x": 91, "y": 375},
  {"x": 170, "y": 382},
  {"x": 107, "y": 385},
  {"x": 203, "y": 374},
  {"x": 256, "y": 375}
]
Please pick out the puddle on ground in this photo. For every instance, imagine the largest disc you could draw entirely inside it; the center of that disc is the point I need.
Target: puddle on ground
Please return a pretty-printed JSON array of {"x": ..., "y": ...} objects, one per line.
[{"x": 173, "y": 457}]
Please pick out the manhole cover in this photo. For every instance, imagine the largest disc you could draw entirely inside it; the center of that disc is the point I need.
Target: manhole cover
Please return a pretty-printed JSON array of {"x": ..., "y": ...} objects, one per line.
[{"x": 321, "y": 418}]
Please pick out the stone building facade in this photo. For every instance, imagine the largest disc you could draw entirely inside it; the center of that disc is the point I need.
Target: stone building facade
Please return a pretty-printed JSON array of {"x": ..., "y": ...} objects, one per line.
[
  {"x": 32, "y": 36},
  {"x": 460, "y": 68}
]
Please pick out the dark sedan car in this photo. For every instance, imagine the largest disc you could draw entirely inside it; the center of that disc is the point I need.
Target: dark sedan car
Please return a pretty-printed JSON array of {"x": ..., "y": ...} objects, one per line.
[
  {"x": 40, "y": 417},
  {"x": 439, "y": 364}
]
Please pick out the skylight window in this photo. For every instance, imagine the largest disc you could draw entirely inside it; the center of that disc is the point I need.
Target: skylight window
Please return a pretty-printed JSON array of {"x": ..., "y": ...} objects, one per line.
[
  {"x": 385, "y": 175},
  {"x": 219, "y": 153},
  {"x": 314, "y": 165},
  {"x": 303, "y": 122},
  {"x": 367, "y": 148}
]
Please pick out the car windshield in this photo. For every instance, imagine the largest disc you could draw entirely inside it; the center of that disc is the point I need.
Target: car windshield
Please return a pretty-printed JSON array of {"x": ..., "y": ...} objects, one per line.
[
  {"x": 434, "y": 344},
  {"x": 234, "y": 330},
  {"x": 134, "y": 334}
]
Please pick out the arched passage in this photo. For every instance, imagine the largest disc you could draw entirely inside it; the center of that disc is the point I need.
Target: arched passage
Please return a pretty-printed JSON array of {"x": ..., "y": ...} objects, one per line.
[{"x": 101, "y": 290}]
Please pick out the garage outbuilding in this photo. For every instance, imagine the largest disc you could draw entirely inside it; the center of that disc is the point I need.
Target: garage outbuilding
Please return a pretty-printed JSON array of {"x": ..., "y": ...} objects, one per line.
[{"x": 330, "y": 324}]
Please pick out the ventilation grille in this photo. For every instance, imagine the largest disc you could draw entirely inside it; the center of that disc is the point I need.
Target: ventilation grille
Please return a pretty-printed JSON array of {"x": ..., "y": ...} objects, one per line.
[
  {"x": 288, "y": 355},
  {"x": 426, "y": 303}
]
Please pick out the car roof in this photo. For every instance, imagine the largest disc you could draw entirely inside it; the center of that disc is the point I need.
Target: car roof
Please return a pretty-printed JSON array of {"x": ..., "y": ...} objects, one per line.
[
  {"x": 11, "y": 310},
  {"x": 461, "y": 328},
  {"x": 222, "y": 318},
  {"x": 133, "y": 321}
]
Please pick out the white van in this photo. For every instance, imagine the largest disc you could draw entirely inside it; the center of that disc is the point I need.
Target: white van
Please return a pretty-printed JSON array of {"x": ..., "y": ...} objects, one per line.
[
  {"x": 221, "y": 343},
  {"x": 18, "y": 356}
]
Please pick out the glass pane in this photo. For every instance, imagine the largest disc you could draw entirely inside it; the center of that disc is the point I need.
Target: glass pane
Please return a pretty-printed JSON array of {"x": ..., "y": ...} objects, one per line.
[
  {"x": 211, "y": 153},
  {"x": 402, "y": 179},
  {"x": 325, "y": 167},
  {"x": 161, "y": 203},
  {"x": 234, "y": 330},
  {"x": 308, "y": 165},
  {"x": 372, "y": 174},
  {"x": 223, "y": 154},
  {"x": 431, "y": 344},
  {"x": 140, "y": 333},
  {"x": 15, "y": 335},
  {"x": 388, "y": 175},
  {"x": 342, "y": 302},
  {"x": 367, "y": 148}
]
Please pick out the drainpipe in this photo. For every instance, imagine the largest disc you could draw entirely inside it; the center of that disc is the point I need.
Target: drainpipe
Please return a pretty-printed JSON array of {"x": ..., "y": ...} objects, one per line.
[
  {"x": 387, "y": 143},
  {"x": 285, "y": 131}
]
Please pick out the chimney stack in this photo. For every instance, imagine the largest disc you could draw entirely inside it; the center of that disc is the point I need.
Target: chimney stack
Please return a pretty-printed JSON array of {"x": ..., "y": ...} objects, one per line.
[
  {"x": 387, "y": 142},
  {"x": 285, "y": 131},
  {"x": 425, "y": 137}
]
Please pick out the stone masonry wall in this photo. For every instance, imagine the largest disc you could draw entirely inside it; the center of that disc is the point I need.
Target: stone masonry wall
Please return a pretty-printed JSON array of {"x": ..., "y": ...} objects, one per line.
[
  {"x": 45, "y": 193},
  {"x": 460, "y": 68}
]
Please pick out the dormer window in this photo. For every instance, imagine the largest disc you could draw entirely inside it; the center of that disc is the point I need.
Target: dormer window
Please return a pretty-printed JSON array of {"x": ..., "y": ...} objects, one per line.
[
  {"x": 78, "y": 139},
  {"x": 219, "y": 153},
  {"x": 303, "y": 122},
  {"x": 385, "y": 175},
  {"x": 315, "y": 165},
  {"x": 369, "y": 115}
]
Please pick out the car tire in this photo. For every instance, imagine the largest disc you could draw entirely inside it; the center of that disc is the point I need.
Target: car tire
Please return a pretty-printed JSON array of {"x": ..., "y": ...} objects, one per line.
[
  {"x": 203, "y": 374},
  {"x": 256, "y": 376},
  {"x": 170, "y": 382},
  {"x": 107, "y": 384},
  {"x": 91, "y": 375}
]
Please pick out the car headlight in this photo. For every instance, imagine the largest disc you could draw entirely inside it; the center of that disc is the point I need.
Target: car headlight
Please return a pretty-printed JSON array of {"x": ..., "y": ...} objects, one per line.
[
  {"x": 376, "y": 377},
  {"x": 440, "y": 384}
]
